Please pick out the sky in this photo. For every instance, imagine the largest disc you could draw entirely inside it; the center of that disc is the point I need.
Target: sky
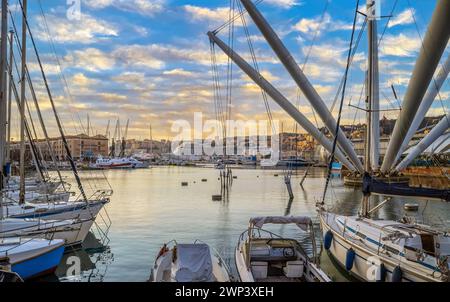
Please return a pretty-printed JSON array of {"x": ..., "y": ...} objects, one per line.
[{"x": 149, "y": 61}]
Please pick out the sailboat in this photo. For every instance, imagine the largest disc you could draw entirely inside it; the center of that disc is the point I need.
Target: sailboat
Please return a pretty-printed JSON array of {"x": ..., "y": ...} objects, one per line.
[
  {"x": 369, "y": 249},
  {"x": 386, "y": 250},
  {"x": 35, "y": 207},
  {"x": 73, "y": 232}
]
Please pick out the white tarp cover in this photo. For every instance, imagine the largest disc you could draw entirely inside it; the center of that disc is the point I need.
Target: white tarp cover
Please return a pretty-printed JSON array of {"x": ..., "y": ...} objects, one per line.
[
  {"x": 193, "y": 263},
  {"x": 302, "y": 222}
]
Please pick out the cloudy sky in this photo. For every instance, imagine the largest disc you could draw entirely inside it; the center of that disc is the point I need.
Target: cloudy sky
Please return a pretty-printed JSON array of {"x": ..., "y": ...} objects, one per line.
[{"x": 149, "y": 60}]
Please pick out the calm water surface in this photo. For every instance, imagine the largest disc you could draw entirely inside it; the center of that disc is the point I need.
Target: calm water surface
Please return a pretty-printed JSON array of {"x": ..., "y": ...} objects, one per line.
[{"x": 150, "y": 207}]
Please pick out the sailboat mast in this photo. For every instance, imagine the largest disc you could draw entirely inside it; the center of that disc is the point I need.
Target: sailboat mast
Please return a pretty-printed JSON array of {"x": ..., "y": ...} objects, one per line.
[
  {"x": 373, "y": 85},
  {"x": 10, "y": 83},
  {"x": 22, "y": 104},
  {"x": 3, "y": 93}
]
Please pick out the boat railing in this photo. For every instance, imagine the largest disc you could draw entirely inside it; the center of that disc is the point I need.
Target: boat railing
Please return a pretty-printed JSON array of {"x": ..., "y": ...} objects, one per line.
[
  {"x": 245, "y": 236},
  {"x": 97, "y": 195}
]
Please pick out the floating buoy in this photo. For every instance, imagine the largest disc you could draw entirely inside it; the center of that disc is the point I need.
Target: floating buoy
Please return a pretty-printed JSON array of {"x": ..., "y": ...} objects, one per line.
[
  {"x": 411, "y": 206},
  {"x": 397, "y": 274},
  {"x": 350, "y": 259},
  {"x": 204, "y": 180},
  {"x": 184, "y": 184},
  {"x": 217, "y": 197},
  {"x": 327, "y": 240},
  {"x": 276, "y": 175},
  {"x": 381, "y": 273},
  {"x": 234, "y": 177}
]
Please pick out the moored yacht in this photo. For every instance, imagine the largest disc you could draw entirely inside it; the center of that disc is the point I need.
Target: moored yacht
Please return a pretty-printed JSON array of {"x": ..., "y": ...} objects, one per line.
[
  {"x": 73, "y": 232},
  {"x": 120, "y": 163},
  {"x": 385, "y": 250}
]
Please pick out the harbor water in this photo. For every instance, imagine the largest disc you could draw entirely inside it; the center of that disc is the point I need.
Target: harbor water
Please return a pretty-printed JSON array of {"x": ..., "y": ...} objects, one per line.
[{"x": 149, "y": 207}]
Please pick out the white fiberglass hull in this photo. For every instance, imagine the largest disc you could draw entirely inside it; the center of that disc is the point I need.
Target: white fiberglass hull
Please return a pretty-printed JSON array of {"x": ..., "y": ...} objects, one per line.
[
  {"x": 36, "y": 197},
  {"x": 367, "y": 260},
  {"x": 73, "y": 232},
  {"x": 56, "y": 211}
]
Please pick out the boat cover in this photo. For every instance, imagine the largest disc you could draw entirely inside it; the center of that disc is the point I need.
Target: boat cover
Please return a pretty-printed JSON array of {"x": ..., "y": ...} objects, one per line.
[
  {"x": 302, "y": 222},
  {"x": 193, "y": 264}
]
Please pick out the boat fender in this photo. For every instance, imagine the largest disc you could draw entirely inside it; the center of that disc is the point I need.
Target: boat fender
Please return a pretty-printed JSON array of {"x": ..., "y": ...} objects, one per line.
[
  {"x": 349, "y": 259},
  {"x": 381, "y": 273},
  {"x": 327, "y": 240},
  {"x": 397, "y": 274}
]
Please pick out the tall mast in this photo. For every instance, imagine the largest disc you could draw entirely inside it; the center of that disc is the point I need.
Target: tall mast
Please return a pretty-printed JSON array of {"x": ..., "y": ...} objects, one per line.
[
  {"x": 373, "y": 86},
  {"x": 3, "y": 91},
  {"x": 22, "y": 103},
  {"x": 10, "y": 84},
  {"x": 433, "y": 47}
]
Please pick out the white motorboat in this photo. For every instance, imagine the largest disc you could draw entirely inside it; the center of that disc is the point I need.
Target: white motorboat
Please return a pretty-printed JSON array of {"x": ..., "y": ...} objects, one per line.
[
  {"x": 262, "y": 256},
  {"x": 73, "y": 232},
  {"x": 31, "y": 258},
  {"x": 189, "y": 263},
  {"x": 385, "y": 250},
  {"x": 120, "y": 163}
]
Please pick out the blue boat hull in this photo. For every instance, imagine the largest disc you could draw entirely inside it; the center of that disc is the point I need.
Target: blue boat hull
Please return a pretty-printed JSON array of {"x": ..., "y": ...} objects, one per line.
[{"x": 40, "y": 265}]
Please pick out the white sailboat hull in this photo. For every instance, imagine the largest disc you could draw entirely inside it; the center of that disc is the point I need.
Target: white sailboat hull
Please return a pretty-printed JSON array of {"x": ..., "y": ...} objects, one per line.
[
  {"x": 367, "y": 260},
  {"x": 57, "y": 211},
  {"x": 73, "y": 232}
]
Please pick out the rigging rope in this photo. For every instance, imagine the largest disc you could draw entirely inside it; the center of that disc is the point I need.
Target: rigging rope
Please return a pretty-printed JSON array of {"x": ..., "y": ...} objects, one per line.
[
  {"x": 349, "y": 60},
  {"x": 256, "y": 65},
  {"x": 58, "y": 62},
  {"x": 63, "y": 137}
]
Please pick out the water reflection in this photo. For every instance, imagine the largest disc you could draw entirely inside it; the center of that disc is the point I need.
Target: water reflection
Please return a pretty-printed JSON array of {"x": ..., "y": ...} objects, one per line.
[
  {"x": 89, "y": 263},
  {"x": 150, "y": 207}
]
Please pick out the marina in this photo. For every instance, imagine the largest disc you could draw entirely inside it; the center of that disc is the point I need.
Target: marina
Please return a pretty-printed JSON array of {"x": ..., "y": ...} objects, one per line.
[
  {"x": 204, "y": 182},
  {"x": 138, "y": 231}
]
